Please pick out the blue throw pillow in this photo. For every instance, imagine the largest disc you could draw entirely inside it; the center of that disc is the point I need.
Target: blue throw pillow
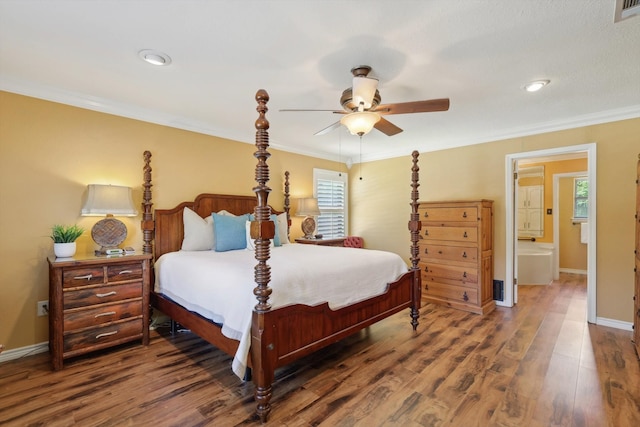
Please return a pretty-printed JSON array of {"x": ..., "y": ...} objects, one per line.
[
  {"x": 274, "y": 218},
  {"x": 230, "y": 232}
]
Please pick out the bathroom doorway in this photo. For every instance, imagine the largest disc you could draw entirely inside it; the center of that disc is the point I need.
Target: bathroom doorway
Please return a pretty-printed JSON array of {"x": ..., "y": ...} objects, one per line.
[{"x": 513, "y": 162}]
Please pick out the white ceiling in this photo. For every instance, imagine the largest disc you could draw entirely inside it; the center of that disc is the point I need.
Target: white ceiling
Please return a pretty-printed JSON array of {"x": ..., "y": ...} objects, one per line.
[{"x": 478, "y": 53}]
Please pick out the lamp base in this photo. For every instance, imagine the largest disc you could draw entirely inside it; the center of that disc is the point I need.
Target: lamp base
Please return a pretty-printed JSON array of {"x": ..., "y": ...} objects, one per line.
[
  {"x": 108, "y": 233},
  {"x": 308, "y": 227}
]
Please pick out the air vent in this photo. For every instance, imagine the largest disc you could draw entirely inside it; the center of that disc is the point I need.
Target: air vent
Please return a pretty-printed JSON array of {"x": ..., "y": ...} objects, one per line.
[
  {"x": 626, "y": 9},
  {"x": 498, "y": 290}
]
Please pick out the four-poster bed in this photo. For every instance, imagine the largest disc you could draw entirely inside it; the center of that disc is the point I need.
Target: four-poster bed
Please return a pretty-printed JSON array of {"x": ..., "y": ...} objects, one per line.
[{"x": 277, "y": 333}]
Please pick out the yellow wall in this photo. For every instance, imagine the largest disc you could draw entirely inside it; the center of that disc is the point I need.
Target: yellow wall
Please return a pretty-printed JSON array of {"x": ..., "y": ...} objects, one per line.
[
  {"x": 381, "y": 200},
  {"x": 49, "y": 152}
]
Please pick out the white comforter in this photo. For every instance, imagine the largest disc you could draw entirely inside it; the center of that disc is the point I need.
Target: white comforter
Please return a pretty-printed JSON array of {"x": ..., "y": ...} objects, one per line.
[{"x": 219, "y": 285}]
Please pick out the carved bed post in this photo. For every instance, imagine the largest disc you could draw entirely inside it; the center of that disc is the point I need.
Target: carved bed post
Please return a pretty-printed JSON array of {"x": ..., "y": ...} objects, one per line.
[
  {"x": 287, "y": 206},
  {"x": 262, "y": 230},
  {"x": 414, "y": 227},
  {"x": 147, "y": 224}
]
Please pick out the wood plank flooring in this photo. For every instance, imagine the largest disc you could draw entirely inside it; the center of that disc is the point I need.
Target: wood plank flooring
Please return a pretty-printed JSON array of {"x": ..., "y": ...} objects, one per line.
[{"x": 537, "y": 364}]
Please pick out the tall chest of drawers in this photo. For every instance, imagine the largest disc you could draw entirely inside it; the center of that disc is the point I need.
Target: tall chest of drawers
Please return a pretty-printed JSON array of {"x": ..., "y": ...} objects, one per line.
[
  {"x": 456, "y": 254},
  {"x": 97, "y": 302}
]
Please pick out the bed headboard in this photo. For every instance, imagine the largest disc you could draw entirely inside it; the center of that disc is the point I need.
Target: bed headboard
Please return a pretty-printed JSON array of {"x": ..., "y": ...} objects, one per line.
[
  {"x": 169, "y": 227},
  {"x": 166, "y": 225}
]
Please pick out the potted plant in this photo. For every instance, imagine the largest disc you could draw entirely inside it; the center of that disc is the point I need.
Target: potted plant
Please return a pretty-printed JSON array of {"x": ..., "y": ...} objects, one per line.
[{"x": 64, "y": 239}]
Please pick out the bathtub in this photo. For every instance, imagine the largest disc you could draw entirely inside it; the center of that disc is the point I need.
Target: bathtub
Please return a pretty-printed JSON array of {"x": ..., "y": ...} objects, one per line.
[{"x": 535, "y": 263}]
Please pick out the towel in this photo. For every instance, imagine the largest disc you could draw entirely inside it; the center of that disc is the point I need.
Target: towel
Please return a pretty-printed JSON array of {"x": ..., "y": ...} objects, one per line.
[{"x": 584, "y": 232}]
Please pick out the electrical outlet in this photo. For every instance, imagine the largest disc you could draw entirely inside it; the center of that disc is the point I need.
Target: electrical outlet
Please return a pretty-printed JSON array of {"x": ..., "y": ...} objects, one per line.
[{"x": 43, "y": 308}]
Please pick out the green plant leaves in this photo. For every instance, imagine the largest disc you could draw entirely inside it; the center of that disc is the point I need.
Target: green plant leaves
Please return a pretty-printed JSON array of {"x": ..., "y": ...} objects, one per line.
[{"x": 65, "y": 233}]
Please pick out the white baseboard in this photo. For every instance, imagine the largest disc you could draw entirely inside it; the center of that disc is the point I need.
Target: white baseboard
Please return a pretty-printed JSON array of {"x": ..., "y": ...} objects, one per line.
[
  {"x": 17, "y": 353},
  {"x": 573, "y": 271},
  {"x": 612, "y": 323}
]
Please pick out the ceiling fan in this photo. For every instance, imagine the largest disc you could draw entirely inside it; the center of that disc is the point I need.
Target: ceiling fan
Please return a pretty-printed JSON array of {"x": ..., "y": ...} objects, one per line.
[{"x": 363, "y": 111}]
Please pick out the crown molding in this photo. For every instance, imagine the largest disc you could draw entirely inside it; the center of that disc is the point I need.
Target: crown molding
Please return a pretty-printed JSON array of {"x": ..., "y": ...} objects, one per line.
[{"x": 153, "y": 116}]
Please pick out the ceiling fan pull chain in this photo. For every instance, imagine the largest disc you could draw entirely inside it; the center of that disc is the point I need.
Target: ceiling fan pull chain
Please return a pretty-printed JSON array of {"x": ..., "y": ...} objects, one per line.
[
  {"x": 340, "y": 152},
  {"x": 360, "y": 157}
]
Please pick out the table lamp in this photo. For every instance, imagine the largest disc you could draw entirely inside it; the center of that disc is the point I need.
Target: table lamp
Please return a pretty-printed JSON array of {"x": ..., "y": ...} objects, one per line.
[
  {"x": 109, "y": 201},
  {"x": 308, "y": 207}
]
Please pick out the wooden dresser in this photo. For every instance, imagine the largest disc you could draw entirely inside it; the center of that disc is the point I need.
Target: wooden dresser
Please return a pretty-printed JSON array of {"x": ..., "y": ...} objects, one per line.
[
  {"x": 97, "y": 302},
  {"x": 456, "y": 254}
]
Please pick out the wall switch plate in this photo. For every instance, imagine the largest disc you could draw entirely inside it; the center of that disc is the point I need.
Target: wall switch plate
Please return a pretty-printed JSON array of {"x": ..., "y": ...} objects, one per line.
[{"x": 43, "y": 308}]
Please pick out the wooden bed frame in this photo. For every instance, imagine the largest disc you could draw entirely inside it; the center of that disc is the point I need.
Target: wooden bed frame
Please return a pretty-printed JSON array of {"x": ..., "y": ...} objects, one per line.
[{"x": 278, "y": 336}]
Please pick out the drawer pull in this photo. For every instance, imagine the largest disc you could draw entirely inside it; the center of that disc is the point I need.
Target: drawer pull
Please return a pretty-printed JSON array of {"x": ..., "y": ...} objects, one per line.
[
  {"x": 107, "y": 313},
  {"x": 426, "y": 251},
  {"x": 464, "y": 215},
  {"x": 108, "y": 294},
  {"x": 426, "y": 214},
  {"x": 426, "y": 232},
  {"x": 465, "y": 235},
  {"x": 464, "y": 274},
  {"x": 465, "y": 296},
  {"x": 126, "y": 272},
  {"x": 464, "y": 254},
  {"x": 440, "y": 252},
  {"x": 88, "y": 277},
  {"x": 106, "y": 334}
]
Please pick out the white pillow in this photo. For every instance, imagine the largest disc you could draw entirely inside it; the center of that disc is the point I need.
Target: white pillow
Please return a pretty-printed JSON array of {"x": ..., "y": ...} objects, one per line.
[
  {"x": 250, "y": 242},
  {"x": 283, "y": 228},
  {"x": 198, "y": 232}
]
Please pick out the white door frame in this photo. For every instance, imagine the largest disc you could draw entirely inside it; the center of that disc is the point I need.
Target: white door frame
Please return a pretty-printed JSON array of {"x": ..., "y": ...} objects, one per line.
[{"x": 511, "y": 234}]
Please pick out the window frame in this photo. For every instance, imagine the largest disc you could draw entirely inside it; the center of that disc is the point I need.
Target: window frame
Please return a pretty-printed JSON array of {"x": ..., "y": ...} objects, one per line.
[
  {"x": 334, "y": 176},
  {"x": 577, "y": 198}
]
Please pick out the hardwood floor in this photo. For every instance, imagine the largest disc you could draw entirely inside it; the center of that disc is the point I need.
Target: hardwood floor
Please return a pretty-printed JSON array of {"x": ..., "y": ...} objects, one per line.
[{"x": 537, "y": 364}]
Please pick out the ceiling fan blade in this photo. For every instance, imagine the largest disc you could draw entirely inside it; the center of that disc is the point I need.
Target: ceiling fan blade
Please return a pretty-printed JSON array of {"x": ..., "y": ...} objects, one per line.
[
  {"x": 414, "y": 107},
  {"x": 328, "y": 129},
  {"x": 363, "y": 91},
  {"x": 386, "y": 127}
]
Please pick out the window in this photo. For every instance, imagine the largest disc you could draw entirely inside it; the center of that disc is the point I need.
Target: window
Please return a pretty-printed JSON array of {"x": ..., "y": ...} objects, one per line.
[
  {"x": 581, "y": 198},
  {"x": 330, "y": 188}
]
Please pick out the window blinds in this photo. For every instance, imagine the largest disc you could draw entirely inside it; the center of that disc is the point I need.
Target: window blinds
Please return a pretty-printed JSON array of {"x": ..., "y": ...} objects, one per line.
[{"x": 331, "y": 192}]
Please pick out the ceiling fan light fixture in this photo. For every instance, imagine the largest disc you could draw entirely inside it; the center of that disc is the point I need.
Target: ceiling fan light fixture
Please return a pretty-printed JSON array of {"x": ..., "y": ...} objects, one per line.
[
  {"x": 364, "y": 89},
  {"x": 536, "y": 85},
  {"x": 360, "y": 122},
  {"x": 154, "y": 57}
]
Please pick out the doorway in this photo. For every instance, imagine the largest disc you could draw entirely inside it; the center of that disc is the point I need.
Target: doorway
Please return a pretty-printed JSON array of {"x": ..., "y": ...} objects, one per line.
[{"x": 512, "y": 160}]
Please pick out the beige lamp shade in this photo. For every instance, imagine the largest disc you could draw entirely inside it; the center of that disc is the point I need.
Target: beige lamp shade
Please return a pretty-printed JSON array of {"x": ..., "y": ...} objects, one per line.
[
  {"x": 308, "y": 207},
  {"x": 109, "y": 201},
  {"x": 360, "y": 122}
]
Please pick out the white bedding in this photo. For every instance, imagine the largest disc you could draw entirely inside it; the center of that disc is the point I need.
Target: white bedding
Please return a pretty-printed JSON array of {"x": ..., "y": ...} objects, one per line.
[{"x": 219, "y": 285}]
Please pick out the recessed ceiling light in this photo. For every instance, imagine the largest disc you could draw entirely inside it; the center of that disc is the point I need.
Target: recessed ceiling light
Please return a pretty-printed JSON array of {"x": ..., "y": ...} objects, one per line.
[
  {"x": 154, "y": 57},
  {"x": 536, "y": 85}
]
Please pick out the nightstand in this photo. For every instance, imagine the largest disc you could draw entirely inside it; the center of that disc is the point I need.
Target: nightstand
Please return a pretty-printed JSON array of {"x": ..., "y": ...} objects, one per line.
[
  {"x": 322, "y": 242},
  {"x": 96, "y": 302}
]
